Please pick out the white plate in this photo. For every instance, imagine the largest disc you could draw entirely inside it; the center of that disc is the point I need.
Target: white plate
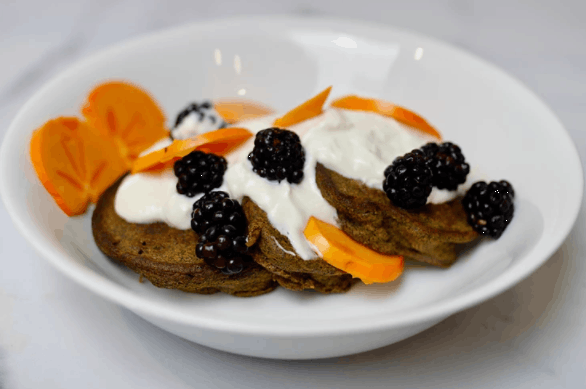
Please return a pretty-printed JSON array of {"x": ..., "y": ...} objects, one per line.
[{"x": 503, "y": 128}]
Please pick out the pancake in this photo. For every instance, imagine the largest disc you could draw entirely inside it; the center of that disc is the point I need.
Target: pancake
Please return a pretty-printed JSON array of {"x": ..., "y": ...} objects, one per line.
[
  {"x": 276, "y": 254},
  {"x": 166, "y": 256},
  {"x": 429, "y": 234}
]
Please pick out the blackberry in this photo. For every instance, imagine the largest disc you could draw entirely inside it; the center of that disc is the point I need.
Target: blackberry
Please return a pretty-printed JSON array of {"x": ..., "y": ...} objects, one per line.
[
  {"x": 217, "y": 209},
  {"x": 221, "y": 224},
  {"x": 490, "y": 207},
  {"x": 408, "y": 180},
  {"x": 447, "y": 163},
  {"x": 199, "y": 172},
  {"x": 196, "y": 119},
  {"x": 278, "y": 155},
  {"x": 223, "y": 249}
]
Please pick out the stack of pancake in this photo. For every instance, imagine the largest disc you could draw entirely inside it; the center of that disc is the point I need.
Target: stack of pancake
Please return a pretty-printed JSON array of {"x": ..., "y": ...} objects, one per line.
[{"x": 166, "y": 256}]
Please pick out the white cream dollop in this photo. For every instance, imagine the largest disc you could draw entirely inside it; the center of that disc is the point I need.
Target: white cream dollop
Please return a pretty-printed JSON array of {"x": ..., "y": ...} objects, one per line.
[
  {"x": 152, "y": 197},
  {"x": 360, "y": 145}
]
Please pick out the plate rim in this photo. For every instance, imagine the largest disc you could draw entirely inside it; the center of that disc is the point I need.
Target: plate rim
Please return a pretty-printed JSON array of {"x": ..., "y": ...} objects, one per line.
[{"x": 130, "y": 299}]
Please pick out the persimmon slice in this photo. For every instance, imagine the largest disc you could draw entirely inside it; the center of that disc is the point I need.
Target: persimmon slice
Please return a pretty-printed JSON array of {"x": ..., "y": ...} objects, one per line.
[
  {"x": 344, "y": 253},
  {"x": 74, "y": 162},
  {"x": 219, "y": 142},
  {"x": 305, "y": 111},
  {"x": 128, "y": 115},
  {"x": 233, "y": 111},
  {"x": 385, "y": 108}
]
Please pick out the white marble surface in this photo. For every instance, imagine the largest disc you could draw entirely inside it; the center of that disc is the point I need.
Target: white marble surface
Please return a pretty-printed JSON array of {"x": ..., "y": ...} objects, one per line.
[{"x": 54, "y": 334}]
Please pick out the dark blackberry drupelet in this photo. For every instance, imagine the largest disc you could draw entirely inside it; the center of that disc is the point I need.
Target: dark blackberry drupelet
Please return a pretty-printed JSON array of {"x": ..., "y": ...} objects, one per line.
[
  {"x": 408, "y": 180},
  {"x": 221, "y": 224},
  {"x": 490, "y": 207},
  {"x": 447, "y": 163},
  {"x": 205, "y": 115},
  {"x": 278, "y": 155},
  {"x": 508, "y": 188},
  {"x": 199, "y": 172}
]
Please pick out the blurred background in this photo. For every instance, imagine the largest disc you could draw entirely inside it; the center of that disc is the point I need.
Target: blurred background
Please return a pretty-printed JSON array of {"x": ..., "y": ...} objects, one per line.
[{"x": 55, "y": 334}]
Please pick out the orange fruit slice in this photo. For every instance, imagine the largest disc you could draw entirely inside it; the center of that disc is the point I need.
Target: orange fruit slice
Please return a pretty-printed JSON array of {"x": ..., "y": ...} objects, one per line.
[
  {"x": 400, "y": 114},
  {"x": 307, "y": 110},
  {"x": 126, "y": 114},
  {"x": 233, "y": 111},
  {"x": 74, "y": 162},
  {"x": 344, "y": 253},
  {"x": 219, "y": 142}
]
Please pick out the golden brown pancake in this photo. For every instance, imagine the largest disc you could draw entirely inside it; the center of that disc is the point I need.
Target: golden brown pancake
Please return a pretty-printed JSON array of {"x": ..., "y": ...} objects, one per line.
[
  {"x": 273, "y": 252},
  {"x": 166, "y": 256},
  {"x": 429, "y": 234}
]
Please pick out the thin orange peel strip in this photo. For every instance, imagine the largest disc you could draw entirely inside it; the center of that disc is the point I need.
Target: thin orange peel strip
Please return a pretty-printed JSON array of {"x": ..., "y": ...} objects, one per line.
[
  {"x": 385, "y": 108},
  {"x": 234, "y": 111},
  {"x": 309, "y": 109},
  {"x": 219, "y": 142},
  {"x": 344, "y": 253}
]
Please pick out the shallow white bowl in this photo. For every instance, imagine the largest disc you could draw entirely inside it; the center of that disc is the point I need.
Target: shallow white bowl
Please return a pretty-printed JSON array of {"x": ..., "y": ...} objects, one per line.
[{"x": 504, "y": 129}]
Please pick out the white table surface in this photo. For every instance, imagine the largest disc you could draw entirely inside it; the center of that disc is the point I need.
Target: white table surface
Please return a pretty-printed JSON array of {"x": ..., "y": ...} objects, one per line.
[{"x": 55, "y": 334}]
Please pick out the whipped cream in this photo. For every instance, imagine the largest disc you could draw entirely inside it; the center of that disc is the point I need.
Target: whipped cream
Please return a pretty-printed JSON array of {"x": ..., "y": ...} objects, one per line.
[
  {"x": 356, "y": 144},
  {"x": 152, "y": 197},
  {"x": 360, "y": 145}
]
